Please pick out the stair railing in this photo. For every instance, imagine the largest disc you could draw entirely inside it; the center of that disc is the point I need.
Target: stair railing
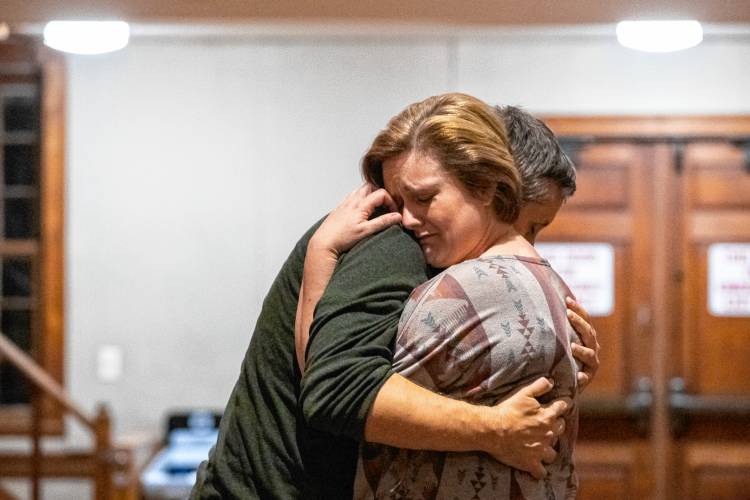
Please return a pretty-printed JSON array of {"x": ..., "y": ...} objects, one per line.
[{"x": 99, "y": 466}]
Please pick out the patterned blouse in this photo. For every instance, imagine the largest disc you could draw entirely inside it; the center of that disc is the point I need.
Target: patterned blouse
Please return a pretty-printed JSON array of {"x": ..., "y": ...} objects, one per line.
[{"x": 476, "y": 332}]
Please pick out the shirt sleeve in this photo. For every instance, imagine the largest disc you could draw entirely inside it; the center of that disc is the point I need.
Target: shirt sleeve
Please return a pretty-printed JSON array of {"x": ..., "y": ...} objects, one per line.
[
  {"x": 255, "y": 454},
  {"x": 349, "y": 355}
]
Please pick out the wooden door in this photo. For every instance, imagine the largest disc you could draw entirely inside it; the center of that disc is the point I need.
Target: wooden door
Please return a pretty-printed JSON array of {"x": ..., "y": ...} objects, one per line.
[
  {"x": 710, "y": 382},
  {"x": 668, "y": 415}
]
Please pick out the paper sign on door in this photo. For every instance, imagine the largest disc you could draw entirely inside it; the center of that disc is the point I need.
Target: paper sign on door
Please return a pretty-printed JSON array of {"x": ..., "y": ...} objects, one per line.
[
  {"x": 729, "y": 279},
  {"x": 588, "y": 270}
]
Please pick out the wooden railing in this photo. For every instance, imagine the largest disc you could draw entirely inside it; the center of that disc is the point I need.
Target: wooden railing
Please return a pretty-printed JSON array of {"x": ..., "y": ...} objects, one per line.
[{"x": 110, "y": 468}]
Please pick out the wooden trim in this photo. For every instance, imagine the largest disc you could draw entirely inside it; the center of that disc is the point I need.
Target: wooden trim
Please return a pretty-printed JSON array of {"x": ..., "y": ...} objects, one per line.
[
  {"x": 483, "y": 12},
  {"x": 650, "y": 126},
  {"x": 661, "y": 289},
  {"x": 52, "y": 217},
  {"x": 16, "y": 420},
  {"x": 22, "y": 248},
  {"x": 72, "y": 465}
]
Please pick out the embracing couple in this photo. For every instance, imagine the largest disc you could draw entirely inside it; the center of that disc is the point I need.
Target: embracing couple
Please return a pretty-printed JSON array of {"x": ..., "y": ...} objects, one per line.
[{"x": 434, "y": 358}]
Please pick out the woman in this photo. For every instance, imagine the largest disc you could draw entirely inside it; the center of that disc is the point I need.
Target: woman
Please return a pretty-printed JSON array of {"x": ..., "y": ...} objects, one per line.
[{"x": 492, "y": 321}]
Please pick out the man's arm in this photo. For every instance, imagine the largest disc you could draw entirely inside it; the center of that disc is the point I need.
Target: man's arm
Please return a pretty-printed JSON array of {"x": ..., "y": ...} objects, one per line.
[
  {"x": 588, "y": 353},
  {"x": 518, "y": 432}
]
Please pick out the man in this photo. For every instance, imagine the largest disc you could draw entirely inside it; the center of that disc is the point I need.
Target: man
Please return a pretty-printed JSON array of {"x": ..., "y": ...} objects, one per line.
[{"x": 282, "y": 437}]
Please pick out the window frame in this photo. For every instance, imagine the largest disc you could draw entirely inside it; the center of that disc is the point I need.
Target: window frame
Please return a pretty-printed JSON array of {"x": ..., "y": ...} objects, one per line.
[{"x": 28, "y": 56}]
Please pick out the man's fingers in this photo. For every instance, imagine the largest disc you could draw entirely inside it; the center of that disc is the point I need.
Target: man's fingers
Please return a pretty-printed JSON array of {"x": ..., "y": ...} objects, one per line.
[
  {"x": 548, "y": 455},
  {"x": 583, "y": 328},
  {"x": 584, "y": 355},
  {"x": 537, "y": 388},
  {"x": 578, "y": 309},
  {"x": 583, "y": 380},
  {"x": 537, "y": 470},
  {"x": 590, "y": 363},
  {"x": 559, "y": 427},
  {"x": 557, "y": 408}
]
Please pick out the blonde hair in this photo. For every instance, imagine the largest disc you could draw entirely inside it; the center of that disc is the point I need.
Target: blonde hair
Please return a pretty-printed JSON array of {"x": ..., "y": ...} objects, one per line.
[{"x": 465, "y": 136}]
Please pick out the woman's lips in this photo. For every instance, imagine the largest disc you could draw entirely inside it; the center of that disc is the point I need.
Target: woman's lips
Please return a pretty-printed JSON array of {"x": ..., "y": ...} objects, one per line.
[{"x": 422, "y": 239}]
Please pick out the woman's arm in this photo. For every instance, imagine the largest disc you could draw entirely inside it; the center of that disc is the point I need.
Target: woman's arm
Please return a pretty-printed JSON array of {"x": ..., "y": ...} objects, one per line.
[{"x": 343, "y": 228}]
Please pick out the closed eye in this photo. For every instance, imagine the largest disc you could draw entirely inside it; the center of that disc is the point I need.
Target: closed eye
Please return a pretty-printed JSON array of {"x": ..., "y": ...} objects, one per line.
[{"x": 424, "y": 198}]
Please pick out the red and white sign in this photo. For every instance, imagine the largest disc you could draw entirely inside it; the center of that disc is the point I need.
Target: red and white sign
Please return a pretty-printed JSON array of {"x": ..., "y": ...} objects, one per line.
[
  {"x": 729, "y": 279},
  {"x": 589, "y": 271}
]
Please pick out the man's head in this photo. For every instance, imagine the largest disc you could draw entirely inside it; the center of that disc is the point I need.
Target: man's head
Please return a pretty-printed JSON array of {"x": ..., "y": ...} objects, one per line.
[{"x": 547, "y": 174}]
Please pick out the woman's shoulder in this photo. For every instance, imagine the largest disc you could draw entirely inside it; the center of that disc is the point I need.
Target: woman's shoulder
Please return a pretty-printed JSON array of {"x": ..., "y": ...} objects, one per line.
[{"x": 496, "y": 266}]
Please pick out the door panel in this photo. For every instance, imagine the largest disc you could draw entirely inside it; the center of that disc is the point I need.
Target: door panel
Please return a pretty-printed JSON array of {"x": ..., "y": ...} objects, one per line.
[
  {"x": 716, "y": 348},
  {"x": 608, "y": 470},
  {"x": 717, "y": 471}
]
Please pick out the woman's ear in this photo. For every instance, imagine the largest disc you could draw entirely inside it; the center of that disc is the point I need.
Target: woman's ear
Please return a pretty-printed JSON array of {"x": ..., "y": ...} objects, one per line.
[{"x": 486, "y": 195}]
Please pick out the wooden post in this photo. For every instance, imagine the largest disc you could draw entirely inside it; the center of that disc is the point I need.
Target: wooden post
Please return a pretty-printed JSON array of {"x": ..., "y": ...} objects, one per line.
[
  {"x": 103, "y": 450},
  {"x": 36, "y": 435}
]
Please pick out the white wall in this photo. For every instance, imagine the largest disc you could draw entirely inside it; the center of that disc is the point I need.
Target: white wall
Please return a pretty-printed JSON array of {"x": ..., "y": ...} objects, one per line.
[
  {"x": 579, "y": 76},
  {"x": 192, "y": 170},
  {"x": 193, "y": 166}
]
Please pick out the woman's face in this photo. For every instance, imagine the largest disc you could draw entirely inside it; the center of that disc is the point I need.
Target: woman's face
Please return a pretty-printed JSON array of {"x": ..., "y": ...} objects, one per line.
[{"x": 450, "y": 224}]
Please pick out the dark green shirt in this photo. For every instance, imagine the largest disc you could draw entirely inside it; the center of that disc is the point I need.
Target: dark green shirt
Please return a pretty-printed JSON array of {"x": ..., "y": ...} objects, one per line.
[{"x": 286, "y": 438}]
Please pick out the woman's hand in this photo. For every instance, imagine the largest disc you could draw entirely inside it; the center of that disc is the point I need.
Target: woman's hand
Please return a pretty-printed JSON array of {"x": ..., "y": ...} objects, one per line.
[
  {"x": 342, "y": 229},
  {"x": 588, "y": 353},
  {"x": 350, "y": 222}
]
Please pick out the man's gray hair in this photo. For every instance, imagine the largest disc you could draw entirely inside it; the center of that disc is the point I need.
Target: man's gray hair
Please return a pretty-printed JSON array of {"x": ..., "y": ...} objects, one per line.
[{"x": 538, "y": 155}]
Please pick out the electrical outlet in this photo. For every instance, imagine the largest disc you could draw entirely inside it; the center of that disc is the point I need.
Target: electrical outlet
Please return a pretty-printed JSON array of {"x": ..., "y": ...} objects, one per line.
[{"x": 109, "y": 363}]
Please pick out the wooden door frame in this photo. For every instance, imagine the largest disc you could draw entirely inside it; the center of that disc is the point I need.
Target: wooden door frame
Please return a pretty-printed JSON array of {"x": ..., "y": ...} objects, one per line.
[{"x": 649, "y": 126}]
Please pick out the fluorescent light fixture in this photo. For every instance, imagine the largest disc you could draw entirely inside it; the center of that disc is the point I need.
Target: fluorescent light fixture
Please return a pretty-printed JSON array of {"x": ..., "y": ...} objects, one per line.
[
  {"x": 86, "y": 37},
  {"x": 659, "y": 36}
]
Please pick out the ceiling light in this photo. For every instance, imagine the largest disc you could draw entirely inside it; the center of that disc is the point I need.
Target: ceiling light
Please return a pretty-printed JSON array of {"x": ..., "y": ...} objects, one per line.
[
  {"x": 4, "y": 31},
  {"x": 659, "y": 36},
  {"x": 86, "y": 37}
]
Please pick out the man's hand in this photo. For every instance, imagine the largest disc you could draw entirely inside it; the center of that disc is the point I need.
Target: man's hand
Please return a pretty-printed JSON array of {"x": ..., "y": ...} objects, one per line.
[
  {"x": 588, "y": 353},
  {"x": 528, "y": 429}
]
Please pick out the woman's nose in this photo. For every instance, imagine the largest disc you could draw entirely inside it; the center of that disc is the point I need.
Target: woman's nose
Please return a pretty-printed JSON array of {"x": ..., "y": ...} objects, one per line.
[{"x": 408, "y": 220}]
